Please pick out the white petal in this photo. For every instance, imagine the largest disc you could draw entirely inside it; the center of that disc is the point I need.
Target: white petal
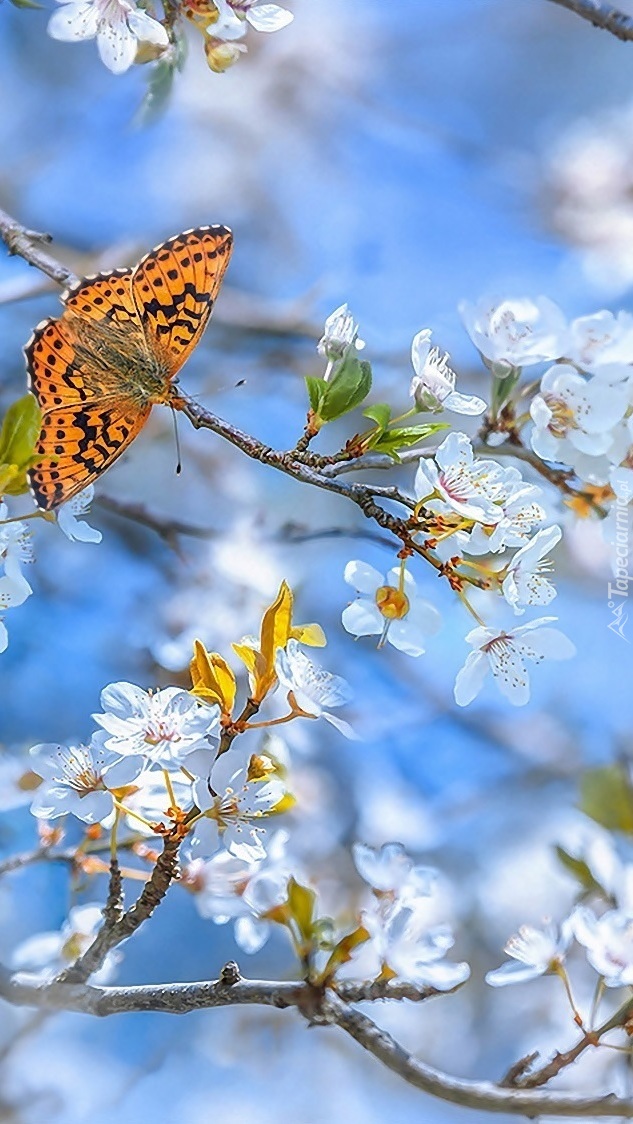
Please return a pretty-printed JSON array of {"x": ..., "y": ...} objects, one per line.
[
  {"x": 269, "y": 17},
  {"x": 548, "y": 643},
  {"x": 464, "y": 404},
  {"x": 362, "y": 618},
  {"x": 148, "y": 30},
  {"x": 512, "y": 972},
  {"x": 443, "y": 975},
  {"x": 471, "y": 678},
  {"x": 251, "y": 934},
  {"x": 117, "y": 47},
  {"x": 407, "y": 637},
  {"x": 75, "y": 21},
  {"x": 363, "y": 577},
  {"x": 4, "y": 637},
  {"x": 510, "y": 671},
  {"x": 343, "y": 727}
]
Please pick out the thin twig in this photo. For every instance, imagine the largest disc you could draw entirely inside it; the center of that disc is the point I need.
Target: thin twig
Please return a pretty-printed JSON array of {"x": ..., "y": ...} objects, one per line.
[{"x": 28, "y": 245}]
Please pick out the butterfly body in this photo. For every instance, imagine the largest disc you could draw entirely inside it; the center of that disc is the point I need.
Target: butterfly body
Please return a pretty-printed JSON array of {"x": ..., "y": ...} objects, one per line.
[{"x": 98, "y": 369}]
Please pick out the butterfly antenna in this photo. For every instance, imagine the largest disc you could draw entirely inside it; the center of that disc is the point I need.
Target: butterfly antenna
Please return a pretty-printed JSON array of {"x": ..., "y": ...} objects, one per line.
[{"x": 177, "y": 439}]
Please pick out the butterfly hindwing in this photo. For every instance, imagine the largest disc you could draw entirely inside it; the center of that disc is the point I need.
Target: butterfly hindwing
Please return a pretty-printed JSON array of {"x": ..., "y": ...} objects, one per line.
[
  {"x": 175, "y": 287},
  {"x": 77, "y": 444}
]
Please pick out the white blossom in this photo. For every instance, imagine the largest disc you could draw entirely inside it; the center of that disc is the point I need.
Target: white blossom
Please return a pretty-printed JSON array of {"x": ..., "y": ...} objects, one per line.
[
  {"x": 77, "y": 779},
  {"x": 44, "y": 955},
  {"x": 340, "y": 333},
  {"x": 69, "y": 521},
  {"x": 518, "y": 511},
  {"x": 505, "y": 654},
  {"x": 227, "y": 888},
  {"x": 235, "y": 804},
  {"x": 163, "y": 727},
  {"x": 599, "y": 341},
  {"x": 411, "y": 949},
  {"x": 516, "y": 332},
  {"x": 573, "y": 414},
  {"x": 461, "y": 480},
  {"x": 525, "y": 582},
  {"x": 117, "y": 25},
  {"x": 390, "y": 870},
  {"x": 533, "y": 952},
  {"x": 608, "y": 941},
  {"x": 315, "y": 690},
  {"x": 433, "y": 384},
  {"x": 383, "y": 609}
]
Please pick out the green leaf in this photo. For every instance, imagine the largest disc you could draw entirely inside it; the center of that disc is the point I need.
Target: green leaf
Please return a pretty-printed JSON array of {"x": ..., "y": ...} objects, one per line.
[
  {"x": 301, "y": 901},
  {"x": 316, "y": 393},
  {"x": 380, "y": 412},
  {"x": 18, "y": 435},
  {"x": 349, "y": 387},
  {"x": 392, "y": 440},
  {"x": 579, "y": 870},
  {"x": 606, "y": 795},
  {"x": 27, "y": 4}
]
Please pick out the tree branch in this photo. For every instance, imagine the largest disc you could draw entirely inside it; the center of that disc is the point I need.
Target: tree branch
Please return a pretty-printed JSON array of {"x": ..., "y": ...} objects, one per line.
[
  {"x": 328, "y": 1010},
  {"x": 601, "y": 15}
]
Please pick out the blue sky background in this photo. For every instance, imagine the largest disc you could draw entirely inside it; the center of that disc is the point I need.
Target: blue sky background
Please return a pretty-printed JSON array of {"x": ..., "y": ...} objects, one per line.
[{"x": 395, "y": 157}]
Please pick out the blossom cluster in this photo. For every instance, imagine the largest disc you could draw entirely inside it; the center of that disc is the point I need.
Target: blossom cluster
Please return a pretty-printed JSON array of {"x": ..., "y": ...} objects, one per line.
[
  {"x": 581, "y": 415},
  {"x": 126, "y": 33}
]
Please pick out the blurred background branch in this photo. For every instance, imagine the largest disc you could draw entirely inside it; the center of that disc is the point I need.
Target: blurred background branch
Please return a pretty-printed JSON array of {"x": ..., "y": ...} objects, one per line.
[{"x": 601, "y": 15}]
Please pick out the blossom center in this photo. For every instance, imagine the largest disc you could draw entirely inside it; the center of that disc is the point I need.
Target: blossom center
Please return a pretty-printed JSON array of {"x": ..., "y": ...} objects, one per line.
[
  {"x": 393, "y": 603},
  {"x": 563, "y": 418},
  {"x": 159, "y": 730},
  {"x": 80, "y": 773}
]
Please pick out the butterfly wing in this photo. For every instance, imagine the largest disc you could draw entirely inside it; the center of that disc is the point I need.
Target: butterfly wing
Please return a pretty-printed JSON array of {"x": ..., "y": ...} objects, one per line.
[
  {"x": 175, "y": 287},
  {"x": 78, "y": 443}
]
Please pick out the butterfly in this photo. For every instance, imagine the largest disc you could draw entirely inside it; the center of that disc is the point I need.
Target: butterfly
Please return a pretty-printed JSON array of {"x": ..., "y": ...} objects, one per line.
[{"x": 97, "y": 370}]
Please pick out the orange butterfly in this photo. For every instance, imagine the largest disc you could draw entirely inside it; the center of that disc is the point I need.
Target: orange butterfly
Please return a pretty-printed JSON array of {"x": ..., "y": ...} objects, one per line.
[{"x": 114, "y": 352}]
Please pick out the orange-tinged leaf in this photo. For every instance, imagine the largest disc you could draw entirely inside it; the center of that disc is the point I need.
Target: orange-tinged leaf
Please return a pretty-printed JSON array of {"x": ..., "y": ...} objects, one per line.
[{"x": 342, "y": 952}]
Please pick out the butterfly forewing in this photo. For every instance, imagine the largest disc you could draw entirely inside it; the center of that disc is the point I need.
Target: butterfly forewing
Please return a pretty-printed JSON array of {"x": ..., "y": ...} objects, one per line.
[{"x": 175, "y": 287}]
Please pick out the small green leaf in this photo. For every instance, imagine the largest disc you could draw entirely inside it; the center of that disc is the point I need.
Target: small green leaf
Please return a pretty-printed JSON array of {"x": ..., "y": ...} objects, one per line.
[
  {"x": 27, "y": 4},
  {"x": 18, "y": 435},
  {"x": 20, "y": 430},
  {"x": 301, "y": 901},
  {"x": 606, "y": 795},
  {"x": 579, "y": 870},
  {"x": 380, "y": 412},
  {"x": 349, "y": 387},
  {"x": 392, "y": 440},
  {"x": 316, "y": 393}
]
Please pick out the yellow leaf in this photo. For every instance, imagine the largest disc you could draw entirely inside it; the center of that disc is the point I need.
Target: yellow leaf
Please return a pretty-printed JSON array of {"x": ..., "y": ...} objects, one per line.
[
  {"x": 249, "y": 656},
  {"x": 311, "y": 634},
  {"x": 275, "y": 633},
  {"x": 212, "y": 678}
]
